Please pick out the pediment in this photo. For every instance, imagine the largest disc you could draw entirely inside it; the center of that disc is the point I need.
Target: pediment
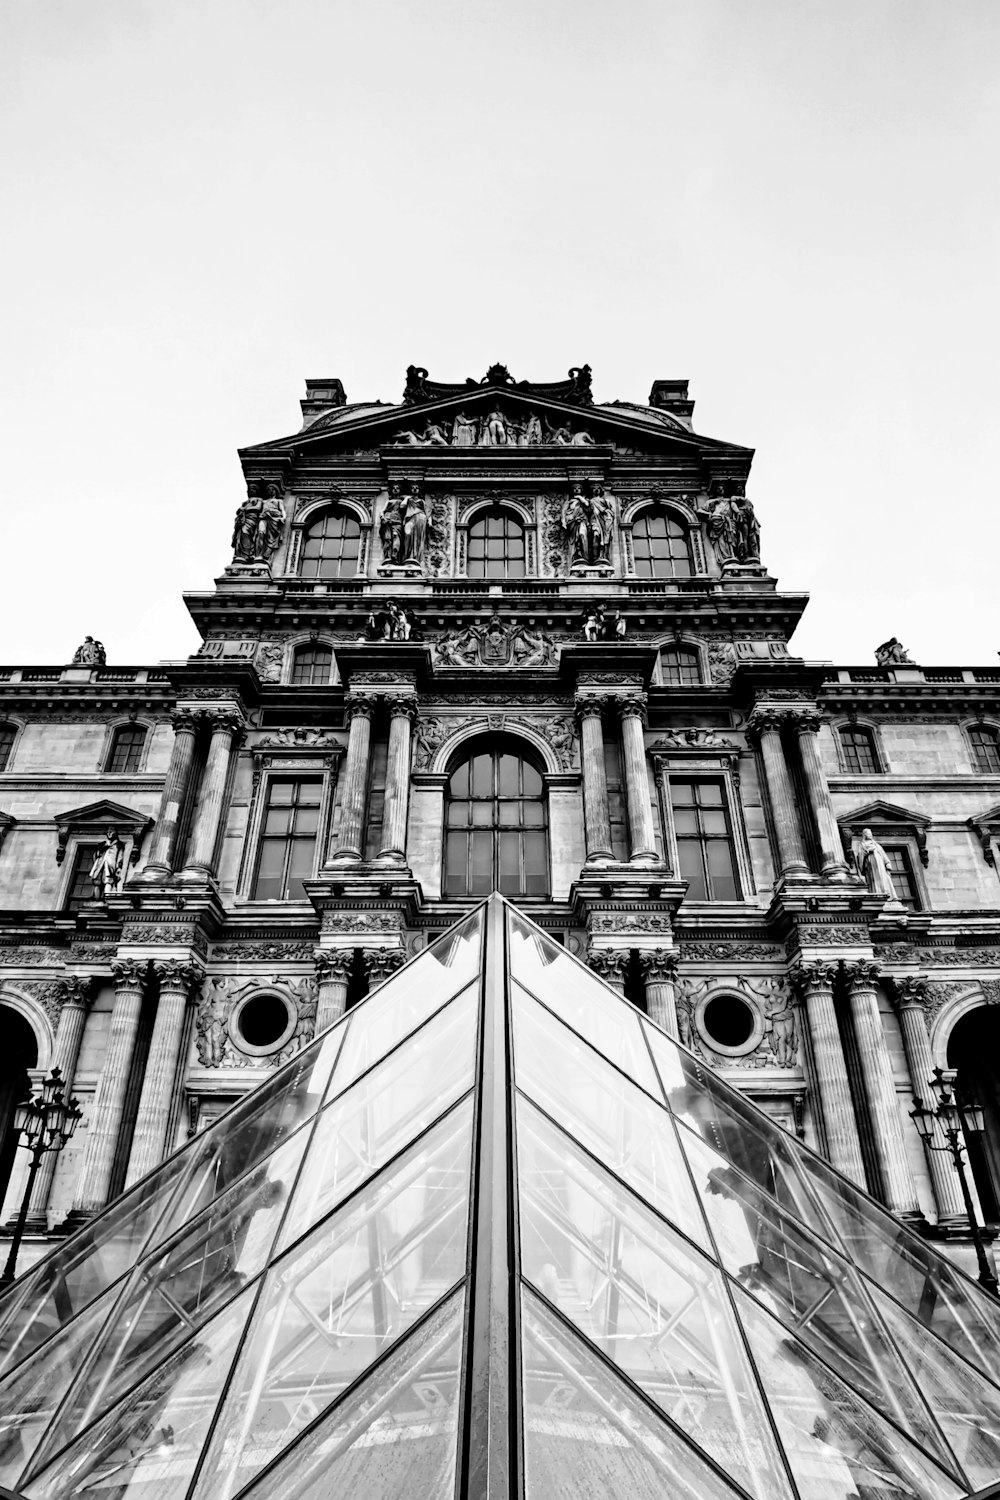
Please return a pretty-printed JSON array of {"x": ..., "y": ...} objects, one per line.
[
  {"x": 880, "y": 811},
  {"x": 100, "y": 816}
]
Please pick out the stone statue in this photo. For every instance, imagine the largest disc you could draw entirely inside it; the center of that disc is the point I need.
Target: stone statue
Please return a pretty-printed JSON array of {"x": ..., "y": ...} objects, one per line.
[
  {"x": 784, "y": 1039},
  {"x": 390, "y": 527},
  {"x": 591, "y": 627},
  {"x": 270, "y": 525},
  {"x": 90, "y": 654},
  {"x": 892, "y": 653},
  {"x": 106, "y": 871},
  {"x": 528, "y": 648},
  {"x": 246, "y": 525},
  {"x": 415, "y": 522},
  {"x": 587, "y": 522},
  {"x": 580, "y": 391},
  {"x": 581, "y": 439},
  {"x": 213, "y": 1013},
  {"x": 398, "y": 626},
  {"x": 720, "y": 522},
  {"x": 602, "y": 514},
  {"x": 532, "y": 432},
  {"x": 463, "y": 432},
  {"x": 746, "y": 528},
  {"x": 494, "y": 433},
  {"x": 416, "y": 386},
  {"x": 435, "y": 435},
  {"x": 873, "y": 864},
  {"x": 575, "y": 524},
  {"x": 621, "y": 625}
]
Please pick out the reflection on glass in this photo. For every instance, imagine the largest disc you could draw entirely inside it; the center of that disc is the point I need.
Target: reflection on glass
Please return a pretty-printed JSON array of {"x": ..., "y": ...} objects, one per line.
[
  {"x": 146, "y": 1447},
  {"x": 414, "y": 994},
  {"x": 607, "y": 1114},
  {"x": 588, "y": 1436},
  {"x": 644, "y": 1296},
  {"x": 384, "y": 1111},
  {"x": 838, "y": 1446},
  {"x": 600, "y": 1016},
  {"x": 395, "y": 1437},
  {"x": 333, "y": 1303},
  {"x": 808, "y": 1287},
  {"x": 177, "y": 1292}
]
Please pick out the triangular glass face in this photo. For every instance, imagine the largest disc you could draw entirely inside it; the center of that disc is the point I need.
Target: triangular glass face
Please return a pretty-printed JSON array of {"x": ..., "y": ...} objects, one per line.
[{"x": 495, "y": 1223}]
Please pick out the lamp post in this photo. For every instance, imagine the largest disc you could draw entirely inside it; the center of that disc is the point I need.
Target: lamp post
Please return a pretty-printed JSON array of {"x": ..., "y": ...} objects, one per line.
[
  {"x": 44, "y": 1122},
  {"x": 956, "y": 1118}
]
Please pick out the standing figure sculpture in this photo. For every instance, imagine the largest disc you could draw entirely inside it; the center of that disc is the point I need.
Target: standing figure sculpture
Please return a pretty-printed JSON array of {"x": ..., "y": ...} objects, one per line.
[
  {"x": 494, "y": 433},
  {"x": 463, "y": 432},
  {"x": 90, "y": 654},
  {"x": 532, "y": 432},
  {"x": 390, "y": 527},
  {"x": 245, "y": 527},
  {"x": 106, "y": 871},
  {"x": 873, "y": 865},
  {"x": 415, "y": 522},
  {"x": 720, "y": 522},
  {"x": 602, "y": 513},
  {"x": 746, "y": 527},
  {"x": 575, "y": 524},
  {"x": 270, "y": 525}
]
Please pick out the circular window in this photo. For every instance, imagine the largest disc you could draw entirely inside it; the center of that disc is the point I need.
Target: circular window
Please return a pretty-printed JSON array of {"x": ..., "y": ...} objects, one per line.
[
  {"x": 730, "y": 1024},
  {"x": 262, "y": 1023}
]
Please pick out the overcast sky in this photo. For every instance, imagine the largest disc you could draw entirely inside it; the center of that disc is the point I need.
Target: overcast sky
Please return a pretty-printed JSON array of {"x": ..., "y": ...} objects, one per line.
[{"x": 793, "y": 204}]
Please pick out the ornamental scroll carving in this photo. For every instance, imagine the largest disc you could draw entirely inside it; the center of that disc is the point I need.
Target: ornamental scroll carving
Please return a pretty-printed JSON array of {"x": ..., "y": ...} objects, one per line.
[
  {"x": 499, "y": 643},
  {"x": 772, "y": 1002}
]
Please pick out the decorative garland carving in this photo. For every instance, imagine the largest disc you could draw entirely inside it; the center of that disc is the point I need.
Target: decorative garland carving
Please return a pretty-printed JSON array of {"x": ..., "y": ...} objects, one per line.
[
  {"x": 362, "y": 921},
  {"x": 728, "y": 952},
  {"x": 257, "y": 953}
]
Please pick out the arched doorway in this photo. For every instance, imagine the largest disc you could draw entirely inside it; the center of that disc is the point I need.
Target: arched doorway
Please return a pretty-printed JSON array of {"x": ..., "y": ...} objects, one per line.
[
  {"x": 19, "y": 1053},
  {"x": 974, "y": 1051}
]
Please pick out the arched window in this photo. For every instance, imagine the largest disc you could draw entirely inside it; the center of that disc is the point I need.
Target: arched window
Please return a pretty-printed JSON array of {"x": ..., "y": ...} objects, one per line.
[
  {"x": 125, "y": 754},
  {"x": 311, "y": 666},
  {"x": 985, "y": 744},
  {"x": 332, "y": 546},
  {"x": 20, "y": 1052},
  {"x": 857, "y": 746},
  {"x": 660, "y": 546},
  {"x": 680, "y": 666},
  {"x": 495, "y": 825},
  {"x": 8, "y": 734},
  {"x": 496, "y": 545}
]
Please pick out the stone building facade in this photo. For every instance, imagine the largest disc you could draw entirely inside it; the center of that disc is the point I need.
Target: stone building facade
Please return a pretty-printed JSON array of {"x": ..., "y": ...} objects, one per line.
[{"x": 498, "y": 636}]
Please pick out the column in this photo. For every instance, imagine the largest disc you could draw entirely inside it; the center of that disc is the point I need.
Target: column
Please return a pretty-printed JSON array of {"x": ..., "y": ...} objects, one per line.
[
  {"x": 161, "y": 849},
  {"x": 354, "y": 787},
  {"x": 75, "y": 996},
  {"x": 609, "y": 964},
  {"x": 880, "y": 1087},
  {"x": 836, "y": 1109},
  {"x": 659, "y": 969},
  {"x": 910, "y": 993},
  {"x": 402, "y": 712},
  {"x": 640, "y": 808},
  {"x": 149, "y": 1140},
  {"x": 831, "y": 848},
  {"x": 109, "y": 1100},
  {"x": 205, "y": 833},
  {"x": 766, "y": 726},
  {"x": 596, "y": 820},
  {"x": 333, "y": 970},
  {"x": 381, "y": 964}
]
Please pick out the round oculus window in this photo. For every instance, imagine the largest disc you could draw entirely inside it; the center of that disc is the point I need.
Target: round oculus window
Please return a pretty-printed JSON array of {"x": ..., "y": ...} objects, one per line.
[
  {"x": 263, "y": 1023},
  {"x": 730, "y": 1024}
]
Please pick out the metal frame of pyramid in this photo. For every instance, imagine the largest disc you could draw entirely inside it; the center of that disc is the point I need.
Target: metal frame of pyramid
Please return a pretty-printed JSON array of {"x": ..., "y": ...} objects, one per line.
[{"x": 496, "y": 1235}]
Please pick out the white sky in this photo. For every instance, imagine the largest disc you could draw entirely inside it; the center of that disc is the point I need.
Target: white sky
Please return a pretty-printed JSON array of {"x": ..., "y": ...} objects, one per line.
[{"x": 793, "y": 204}]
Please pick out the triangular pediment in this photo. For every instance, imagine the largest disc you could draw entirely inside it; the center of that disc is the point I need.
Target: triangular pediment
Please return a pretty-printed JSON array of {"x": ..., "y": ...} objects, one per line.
[
  {"x": 880, "y": 811},
  {"x": 102, "y": 812}
]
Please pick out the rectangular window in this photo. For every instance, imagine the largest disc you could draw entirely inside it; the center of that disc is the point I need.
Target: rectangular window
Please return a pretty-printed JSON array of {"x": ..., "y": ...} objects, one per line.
[
  {"x": 617, "y": 805},
  {"x": 859, "y": 752},
  {"x": 706, "y": 858},
  {"x": 898, "y": 856},
  {"x": 286, "y": 853},
  {"x": 81, "y": 887},
  {"x": 126, "y": 749},
  {"x": 376, "y": 798}
]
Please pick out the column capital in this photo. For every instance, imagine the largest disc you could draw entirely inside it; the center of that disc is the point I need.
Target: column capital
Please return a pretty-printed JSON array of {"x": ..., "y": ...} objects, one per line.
[
  {"x": 75, "y": 990},
  {"x": 631, "y": 705},
  {"x": 861, "y": 974},
  {"x": 763, "y": 719},
  {"x": 814, "y": 977},
  {"x": 909, "y": 991},
  {"x": 591, "y": 705},
  {"x": 806, "y": 720},
  {"x": 360, "y": 706},
  {"x": 224, "y": 720},
  {"x": 333, "y": 963},
  {"x": 178, "y": 974},
  {"x": 608, "y": 964},
  {"x": 402, "y": 706},
  {"x": 659, "y": 965},
  {"x": 381, "y": 963},
  {"x": 130, "y": 973},
  {"x": 185, "y": 719}
]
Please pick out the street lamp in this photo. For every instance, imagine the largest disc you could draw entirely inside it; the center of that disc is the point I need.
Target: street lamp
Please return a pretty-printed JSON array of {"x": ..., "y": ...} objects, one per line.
[
  {"x": 952, "y": 1114},
  {"x": 43, "y": 1122}
]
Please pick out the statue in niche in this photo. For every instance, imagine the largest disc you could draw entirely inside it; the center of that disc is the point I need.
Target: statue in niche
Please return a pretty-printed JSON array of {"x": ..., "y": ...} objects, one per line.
[
  {"x": 106, "y": 871},
  {"x": 873, "y": 864},
  {"x": 90, "y": 654},
  {"x": 784, "y": 1040},
  {"x": 213, "y": 1012},
  {"x": 587, "y": 522},
  {"x": 404, "y": 525},
  {"x": 463, "y": 432},
  {"x": 720, "y": 523},
  {"x": 390, "y": 527},
  {"x": 892, "y": 653},
  {"x": 415, "y": 523}
]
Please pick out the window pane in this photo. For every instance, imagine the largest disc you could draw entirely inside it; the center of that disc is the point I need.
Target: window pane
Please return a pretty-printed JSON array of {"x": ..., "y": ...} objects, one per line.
[
  {"x": 691, "y": 868},
  {"x": 7, "y": 738},
  {"x": 288, "y": 844},
  {"x": 508, "y": 795},
  {"x": 986, "y": 750}
]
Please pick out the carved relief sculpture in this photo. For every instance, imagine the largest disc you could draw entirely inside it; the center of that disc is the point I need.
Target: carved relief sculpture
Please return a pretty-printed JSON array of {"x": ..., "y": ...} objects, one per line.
[
  {"x": 210, "y": 1022},
  {"x": 731, "y": 524}
]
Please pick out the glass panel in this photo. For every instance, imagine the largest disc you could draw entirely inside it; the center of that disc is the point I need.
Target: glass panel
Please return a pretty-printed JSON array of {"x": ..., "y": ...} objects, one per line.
[
  {"x": 607, "y": 1114},
  {"x": 587, "y": 1436},
  {"x": 838, "y": 1446},
  {"x": 809, "y": 1288},
  {"x": 651, "y": 1302},
  {"x": 394, "y": 1438},
  {"x": 383, "y": 1112},
  {"x": 597, "y": 1013},
  {"x": 339, "y": 1299},
  {"x": 147, "y": 1447}
]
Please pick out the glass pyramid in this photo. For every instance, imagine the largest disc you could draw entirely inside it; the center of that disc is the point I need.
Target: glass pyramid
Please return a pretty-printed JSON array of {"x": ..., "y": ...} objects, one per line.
[{"x": 495, "y": 1235}]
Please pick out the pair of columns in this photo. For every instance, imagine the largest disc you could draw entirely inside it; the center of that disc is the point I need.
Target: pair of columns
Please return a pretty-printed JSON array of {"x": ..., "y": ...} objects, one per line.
[
  {"x": 226, "y": 726},
  {"x": 631, "y": 707},
  {"x": 659, "y": 971},
  {"x": 333, "y": 970},
  {"x": 178, "y": 982},
  {"x": 361, "y": 708},
  {"x": 766, "y": 725}
]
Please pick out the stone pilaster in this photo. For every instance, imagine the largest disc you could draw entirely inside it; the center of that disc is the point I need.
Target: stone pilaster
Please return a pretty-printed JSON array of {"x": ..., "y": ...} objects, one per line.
[
  {"x": 159, "y": 861},
  {"x": 880, "y": 1087},
  {"x": 204, "y": 835},
  {"x": 109, "y": 1100},
  {"x": 402, "y": 712},
  {"x": 909, "y": 998},
  {"x": 632, "y": 707},
  {"x": 149, "y": 1141},
  {"x": 609, "y": 964},
  {"x": 659, "y": 970},
  {"x": 381, "y": 964},
  {"x": 354, "y": 787},
  {"x": 75, "y": 999},
  {"x": 836, "y": 1110},
  {"x": 333, "y": 970},
  {"x": 834, "y": 866},
  {"x": 596, "y": 819},
  {"x": 765, "y": 727}
]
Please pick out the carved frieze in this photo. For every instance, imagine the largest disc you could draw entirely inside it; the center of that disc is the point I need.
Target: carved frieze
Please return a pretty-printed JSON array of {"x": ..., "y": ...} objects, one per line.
[
  {"x": 643, "y": 923},
  {"x": 727, "y": 952},
  {"x": 498, "y": 643},
  {"x": 362, "y": 921},
  {"x": 24, "y": 957},
  {"x": 263, "y": 952}
]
